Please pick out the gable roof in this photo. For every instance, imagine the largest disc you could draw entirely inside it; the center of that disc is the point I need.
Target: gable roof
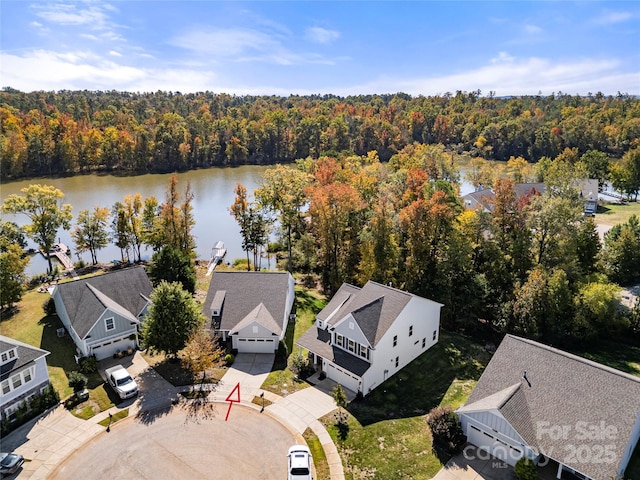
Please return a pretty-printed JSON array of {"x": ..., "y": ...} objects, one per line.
[
  {"x": 561, "y": 389},
  {"x": 26, "y": 354},
  {"x": 125, "y": 291},
  {"x": 344, "y": 293},
  {"x": 244, "y": 291},
  {"x": 261, "y": 316},
  {"x": 374, "y": 308}
]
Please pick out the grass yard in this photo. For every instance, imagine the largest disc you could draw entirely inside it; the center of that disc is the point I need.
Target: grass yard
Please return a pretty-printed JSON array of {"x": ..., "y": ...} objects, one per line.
[
  {"x": 625, "y": 358},
  {"x": 319, "y": 457},
  {"x": 282, "y": 380},
  {"x": 388, "y": 436},
  {"x": 614, "y": 213}
]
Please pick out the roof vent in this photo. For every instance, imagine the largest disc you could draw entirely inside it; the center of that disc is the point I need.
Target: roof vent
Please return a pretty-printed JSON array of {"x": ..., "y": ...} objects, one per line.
[{"x": 524, "y": 377}]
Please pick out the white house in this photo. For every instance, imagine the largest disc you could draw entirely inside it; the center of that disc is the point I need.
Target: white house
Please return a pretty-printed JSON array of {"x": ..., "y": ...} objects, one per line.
[
  {"x": 102, "y": 313},
  {"x": 554, "y": 407},
  {"x": 23, "y": 374},
  {"x": 365, "y": 335},
  {"x": 252, "y": 309}
]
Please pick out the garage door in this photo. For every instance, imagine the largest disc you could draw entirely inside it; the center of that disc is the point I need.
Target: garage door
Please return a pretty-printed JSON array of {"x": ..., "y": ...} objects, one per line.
[
  {"x": 500, "y": 449},
  {"x": 107, "y": 349},
  {"x": 343, "y": 377},
  {"x": 256, "y": 345}
]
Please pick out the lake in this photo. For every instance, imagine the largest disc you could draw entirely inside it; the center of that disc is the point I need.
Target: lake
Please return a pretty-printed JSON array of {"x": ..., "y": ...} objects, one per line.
[{"x": 213, "y": 190}]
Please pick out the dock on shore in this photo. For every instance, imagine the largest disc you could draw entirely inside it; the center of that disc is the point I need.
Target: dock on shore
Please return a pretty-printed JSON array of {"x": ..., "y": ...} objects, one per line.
[
  {"x": 61, "y": 251},
  {"x": 217, "y": 254}
]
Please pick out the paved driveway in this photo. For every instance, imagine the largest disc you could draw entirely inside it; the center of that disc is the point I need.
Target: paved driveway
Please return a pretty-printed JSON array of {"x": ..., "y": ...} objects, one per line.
[
  {"x": 474, "y": 465},
  {"x": 186, "y": 442},
  {"x": 250, "y": 370}
]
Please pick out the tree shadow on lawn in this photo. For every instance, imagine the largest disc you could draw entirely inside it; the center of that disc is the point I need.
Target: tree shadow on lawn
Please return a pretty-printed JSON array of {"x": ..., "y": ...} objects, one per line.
[{"x": 421, "y": 385}]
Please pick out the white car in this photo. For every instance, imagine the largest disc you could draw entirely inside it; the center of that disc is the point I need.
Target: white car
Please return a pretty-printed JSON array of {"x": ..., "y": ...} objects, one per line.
[
  {"x": 299, "y": 463},
  {"x": 124, "y": 385}
]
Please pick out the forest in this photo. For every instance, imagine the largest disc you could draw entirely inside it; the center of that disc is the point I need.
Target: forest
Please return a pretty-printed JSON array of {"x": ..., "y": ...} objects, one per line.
[{"x": 74, "y": 132}]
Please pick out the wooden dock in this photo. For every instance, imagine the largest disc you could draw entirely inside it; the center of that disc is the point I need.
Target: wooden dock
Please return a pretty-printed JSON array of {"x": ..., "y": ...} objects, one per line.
[
  {"x": 217, "y": 254},
  {"x": 60, "y": 251}
]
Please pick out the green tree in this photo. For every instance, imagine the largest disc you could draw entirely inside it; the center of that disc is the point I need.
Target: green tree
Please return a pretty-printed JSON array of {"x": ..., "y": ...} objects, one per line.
[
  {"x": 253, "y": 225},
  {"x": 172, "y": 265},
  {"x": 597, "y": 165},
  {"x": 200, "y": 354},
  {"x": 121, "y": 230},
  {"x": 625, "y": 175},
  {"x": 90, "y": 233},
  {"x": 173, "y": 316},
  {"x": 621, "y": 252},
  {"x": 12, "y": 277},
  {"x": 597, "y": 306},
  {"x": 11, "y": 233},
  {"x": 42, "y": 204}
]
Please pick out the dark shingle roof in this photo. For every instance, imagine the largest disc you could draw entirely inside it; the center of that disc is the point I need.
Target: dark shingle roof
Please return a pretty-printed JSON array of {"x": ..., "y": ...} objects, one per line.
[
  {"x": 562, "y": 389},
  {"x": 343, "y": 294},
  {"x": 86, "y": 299},
  {"x": 26, "y": 354},
  {"x": 375, "y": 307},
  {"x": 244, "y": 292},
  {"x": 316, "y": 340}
]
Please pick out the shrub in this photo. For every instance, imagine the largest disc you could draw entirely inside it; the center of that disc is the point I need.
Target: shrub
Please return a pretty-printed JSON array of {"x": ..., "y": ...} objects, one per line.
[
  {"x": 77, "y": 381},
  {"x": 446, "y": 429},
  {"x": 38, "y": 404},
  {"x": 525, "y": 469},
  {"x": 229, "y": 358},
  {"x": 301, "y": 367},
  {"x": 88, "y": 365}
]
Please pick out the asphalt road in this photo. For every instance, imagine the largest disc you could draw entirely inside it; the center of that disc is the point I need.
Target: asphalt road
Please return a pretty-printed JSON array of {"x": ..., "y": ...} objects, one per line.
[{"x": 186, "y": 442}]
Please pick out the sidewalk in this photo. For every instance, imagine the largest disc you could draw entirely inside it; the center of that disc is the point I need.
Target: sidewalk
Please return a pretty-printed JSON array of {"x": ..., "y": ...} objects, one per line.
[{"x": 48, "y": 440}]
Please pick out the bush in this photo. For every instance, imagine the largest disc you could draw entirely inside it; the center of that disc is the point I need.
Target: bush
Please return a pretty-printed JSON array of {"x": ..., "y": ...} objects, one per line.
[
  {"x": 301, "y": 367},
  {"x": 88, "y": 365},
  {"x": 525, "y": 469},
  {"x": 49, "y": 307},
  {"x": 446, "y": 429},
  {"x": 229, "y": 358},
  {"x": 38, "y": 404},
  {"x": 77, "y": 381}
]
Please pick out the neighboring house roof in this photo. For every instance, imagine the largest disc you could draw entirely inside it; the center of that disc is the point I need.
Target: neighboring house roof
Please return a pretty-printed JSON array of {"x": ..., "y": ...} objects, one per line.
[
  {"x": 563, "y": 390},
  {"x": 525, "y": 189},
  {"x": 481, "y": 198},
  {"x": 124, "y": 291},
  {"x": 26, "y": 354},
  {"x": 244, "y": 292},
  {"x": 374, "y": 308}
]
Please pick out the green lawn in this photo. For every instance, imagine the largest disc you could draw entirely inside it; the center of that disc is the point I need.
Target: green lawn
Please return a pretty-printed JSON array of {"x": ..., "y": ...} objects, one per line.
[
  {"x": 319, "y": 457},
  {"x": 622, "y": 357},
  {"x": 614, "y": 213},
  {"x": 388, "y": 436}
]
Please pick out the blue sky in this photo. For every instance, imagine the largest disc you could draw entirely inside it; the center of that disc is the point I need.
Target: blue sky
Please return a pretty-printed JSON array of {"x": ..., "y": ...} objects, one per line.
[{"x": 338, "y": 47}]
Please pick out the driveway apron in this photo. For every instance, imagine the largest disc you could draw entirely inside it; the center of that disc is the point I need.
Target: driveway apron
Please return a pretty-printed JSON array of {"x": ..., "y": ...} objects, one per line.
[{"x": 249, "y": 370}]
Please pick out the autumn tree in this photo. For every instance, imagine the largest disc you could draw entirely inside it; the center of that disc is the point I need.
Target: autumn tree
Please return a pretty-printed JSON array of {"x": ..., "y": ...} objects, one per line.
[
  {"x": 200, "y": 353},
  {"x": 173, "y": 315},
  {"x": 90, "y": 233},
  {"x": 42, "y": 204},
  {"x": 253, "y": 224},
  {"x": 120, "y": 229}
]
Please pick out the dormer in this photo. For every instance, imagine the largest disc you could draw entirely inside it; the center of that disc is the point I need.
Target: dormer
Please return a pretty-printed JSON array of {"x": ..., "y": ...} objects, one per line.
[
  {"x": 9, "y": 355},
  {"x": 217, "y": 303}
]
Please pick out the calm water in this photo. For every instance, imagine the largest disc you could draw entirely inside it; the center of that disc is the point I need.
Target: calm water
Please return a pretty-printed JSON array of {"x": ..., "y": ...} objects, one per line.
[{"x": 213, "y": 189}]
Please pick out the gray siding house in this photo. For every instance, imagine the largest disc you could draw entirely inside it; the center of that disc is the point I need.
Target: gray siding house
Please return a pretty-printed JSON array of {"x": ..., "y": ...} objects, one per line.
[
  {"x": 536, "y": 401},
  {"x": 23, "y": 373},
  {"x": 251, "y": 309},
  {"x": 102, "y": 313}
]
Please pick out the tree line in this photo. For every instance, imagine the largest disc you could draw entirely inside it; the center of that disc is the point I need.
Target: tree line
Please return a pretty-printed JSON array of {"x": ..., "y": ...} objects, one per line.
[{"x": 73, "y": 132}]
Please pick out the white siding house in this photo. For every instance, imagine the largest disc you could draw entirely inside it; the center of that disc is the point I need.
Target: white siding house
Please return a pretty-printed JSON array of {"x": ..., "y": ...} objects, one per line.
[
  {"x": 102, "y": 314},
  {"x": 23, "y": 374},
  {"x": 553, "y": 407},
  {"x": 364, "y": 336}
]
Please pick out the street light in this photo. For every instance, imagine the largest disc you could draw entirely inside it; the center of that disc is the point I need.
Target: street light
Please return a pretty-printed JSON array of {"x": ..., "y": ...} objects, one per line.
[
  {"x": 109, "y": 426},
  {"x": 262, "y": 397}
]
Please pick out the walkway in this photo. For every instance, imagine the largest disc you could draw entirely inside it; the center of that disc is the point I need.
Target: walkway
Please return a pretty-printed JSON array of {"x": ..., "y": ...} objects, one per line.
[{"x": 47, "y": 441}]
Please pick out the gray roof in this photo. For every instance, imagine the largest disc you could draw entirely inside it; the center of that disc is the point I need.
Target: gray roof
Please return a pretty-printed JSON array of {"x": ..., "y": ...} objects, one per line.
[
  {"x": 374, "y": 307},
  {"x": 124, "y": 291},
  {"x": 244, "y": 291},
  {"x": 26, "y": 354},
  {"x": 343, "y": 294},
  {"x": 261, "y": 316},
  {"x": 482, "y": 198},
  {"x": 524, "y": 189},
  {"x": 317, "y": 340},
  {"x": 562, "y": 389}
]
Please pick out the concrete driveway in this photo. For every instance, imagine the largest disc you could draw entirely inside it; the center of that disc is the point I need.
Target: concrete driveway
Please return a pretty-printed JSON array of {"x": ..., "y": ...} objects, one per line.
[
  {"x": 474, "y": 465},
  {"x": 250, "y": 370},
  {"x": 186, "y": 441}
]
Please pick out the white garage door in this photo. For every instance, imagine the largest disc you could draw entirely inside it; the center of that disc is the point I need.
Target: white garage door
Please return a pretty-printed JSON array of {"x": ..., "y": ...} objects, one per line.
[
  {"x": 500, "y": 449},
  {"x": 343, "y": 377},
  {"x": 256, "y": 345},
  {"x": 107, "y": 349}
]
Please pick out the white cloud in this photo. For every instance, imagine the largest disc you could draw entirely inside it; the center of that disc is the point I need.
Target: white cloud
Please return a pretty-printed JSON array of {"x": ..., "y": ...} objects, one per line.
[
  {"x": 36, "y": 24},
  {"x": 71, "y": 14},
  {"x": 502, "y": 57},
  {"x": 321, "y": 35},
  {"x": 611, "y": 18},
  {"x": 113, "y": 53},
  {"x": 532, "y": 29}
]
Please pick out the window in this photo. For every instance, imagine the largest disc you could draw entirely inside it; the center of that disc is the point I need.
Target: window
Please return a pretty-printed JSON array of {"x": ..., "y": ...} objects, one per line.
[
  {"x": 338, "y": 339},
  {"x": 352, "y": 346},
  {"x": 27, "y": 375},
  {"x": 5, "y": 387},
  {"x": 109, "y": 323},
  {"x": 424, "y": 342},
  {"x": 410, "y": 330},
  {"x": 395, "y": 340},
  {"x": 397, "y": 361},
  {"x": 435, "y": 334},
  {"x": 8, "y": 355},
  {"x": 364, "y": 352},
  {"x": 16, "y": 381}
]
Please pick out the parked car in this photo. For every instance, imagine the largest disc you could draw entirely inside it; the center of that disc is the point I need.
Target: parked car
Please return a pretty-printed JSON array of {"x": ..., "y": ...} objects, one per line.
[
  {"x": 10, "y": 463},
  {"x": 299, "y": 463},
  {"x": 120, "y": 380}
]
